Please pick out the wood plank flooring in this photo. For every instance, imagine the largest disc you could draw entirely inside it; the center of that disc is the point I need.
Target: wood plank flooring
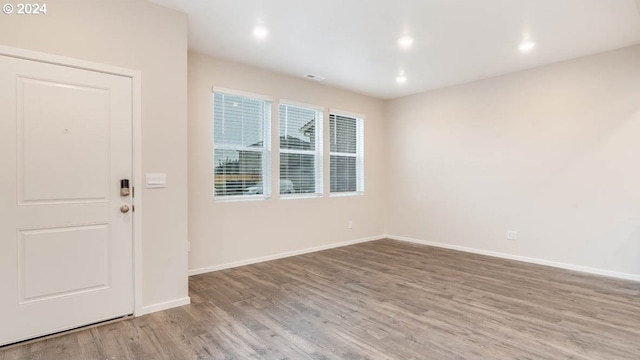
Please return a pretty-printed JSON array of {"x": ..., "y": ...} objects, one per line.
[{"x": 377, "y": 300}]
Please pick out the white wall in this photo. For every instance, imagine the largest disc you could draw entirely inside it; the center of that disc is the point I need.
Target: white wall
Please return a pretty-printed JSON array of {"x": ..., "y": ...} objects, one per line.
[
  {"x": 552, "y": 152},
  {"x": 226, "y": 233},
  {"x": 146, "y": 37}
]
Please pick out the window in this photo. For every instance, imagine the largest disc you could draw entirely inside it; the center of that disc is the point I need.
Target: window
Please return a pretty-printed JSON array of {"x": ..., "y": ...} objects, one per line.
[
  {"x": 241, "y": 146},
  {"x": 300, "y": 150},
  {"x": 347, "y": 154}
]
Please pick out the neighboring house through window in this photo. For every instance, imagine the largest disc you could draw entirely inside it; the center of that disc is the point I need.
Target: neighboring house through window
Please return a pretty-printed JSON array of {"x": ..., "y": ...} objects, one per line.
[
  {"x": 347, "y": 154},
  {"x": 241, "y": 145}
]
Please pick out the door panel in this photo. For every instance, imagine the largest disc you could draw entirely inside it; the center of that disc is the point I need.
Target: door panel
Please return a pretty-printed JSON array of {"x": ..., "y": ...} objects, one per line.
[
  {"x": 44, "y": 174},
  {"x": 65, "y": 248},
  {"x": 43, "y": 254}
]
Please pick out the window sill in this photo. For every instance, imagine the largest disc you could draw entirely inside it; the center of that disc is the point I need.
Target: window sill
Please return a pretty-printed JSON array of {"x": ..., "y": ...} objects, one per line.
[
  {"x": 343, "y": 194},
  {"x": 300, "y": 196},
  {"x": 240, "y": 198}
]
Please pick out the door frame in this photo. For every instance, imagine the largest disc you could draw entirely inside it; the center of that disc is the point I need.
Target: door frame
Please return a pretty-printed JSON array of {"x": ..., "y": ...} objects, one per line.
[{"x": 136, "y": 119}]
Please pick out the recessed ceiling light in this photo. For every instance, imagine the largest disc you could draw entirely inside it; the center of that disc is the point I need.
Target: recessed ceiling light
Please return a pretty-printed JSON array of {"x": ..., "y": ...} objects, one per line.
[
  {"x": 526, "y": 46},
  {"x": 260, "y": 32},
  {"x": 401, "y": 79},
  {"x": 405, "y": 42}
]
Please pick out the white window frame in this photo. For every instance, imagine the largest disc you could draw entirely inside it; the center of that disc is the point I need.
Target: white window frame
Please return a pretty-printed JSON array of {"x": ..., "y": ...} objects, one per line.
[
  {"x": 359, "y": 155},
  {"x": 265, "y": 151},
  {"x": 318, "y": 152}
]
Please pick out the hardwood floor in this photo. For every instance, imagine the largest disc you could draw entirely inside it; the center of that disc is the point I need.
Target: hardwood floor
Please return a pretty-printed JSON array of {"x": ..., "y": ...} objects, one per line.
[{"x": 377, "y": 300}]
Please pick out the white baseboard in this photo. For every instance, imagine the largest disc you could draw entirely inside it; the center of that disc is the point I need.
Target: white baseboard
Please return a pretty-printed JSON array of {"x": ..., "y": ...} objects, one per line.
[
  {"x": 555, "y": 264},
  {"x": 163, "y": 306},
  {"x": 230, "y": 265}
]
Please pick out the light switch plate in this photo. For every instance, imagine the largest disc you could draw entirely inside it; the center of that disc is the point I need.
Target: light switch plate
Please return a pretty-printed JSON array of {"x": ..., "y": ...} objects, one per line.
[{"x": 156, "y": 180}]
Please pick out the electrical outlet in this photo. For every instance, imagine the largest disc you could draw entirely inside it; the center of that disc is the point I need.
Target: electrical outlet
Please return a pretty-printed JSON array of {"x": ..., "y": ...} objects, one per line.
[
  {"x": 350, "y": 224},
  {"x": 512, "y": 234}
]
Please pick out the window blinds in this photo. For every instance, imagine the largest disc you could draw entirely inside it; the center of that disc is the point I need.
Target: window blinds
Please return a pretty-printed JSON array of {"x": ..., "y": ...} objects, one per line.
[
  {"x": 347, "y": 154},
  {"x": 300, "y": 150},
  {"x": 241, "y": 145}
]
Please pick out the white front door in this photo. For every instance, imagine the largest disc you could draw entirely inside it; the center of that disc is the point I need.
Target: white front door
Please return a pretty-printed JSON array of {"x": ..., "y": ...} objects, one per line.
[{"x": 65, "y": 246}]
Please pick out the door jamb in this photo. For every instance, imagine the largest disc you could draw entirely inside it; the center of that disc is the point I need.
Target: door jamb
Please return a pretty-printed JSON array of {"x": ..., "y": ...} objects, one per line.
[{"x": 136, "y": 119}]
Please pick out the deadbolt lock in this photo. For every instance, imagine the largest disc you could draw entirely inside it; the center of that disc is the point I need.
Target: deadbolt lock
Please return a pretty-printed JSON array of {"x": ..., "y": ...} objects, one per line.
[{"x": 124, "y": 187}]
